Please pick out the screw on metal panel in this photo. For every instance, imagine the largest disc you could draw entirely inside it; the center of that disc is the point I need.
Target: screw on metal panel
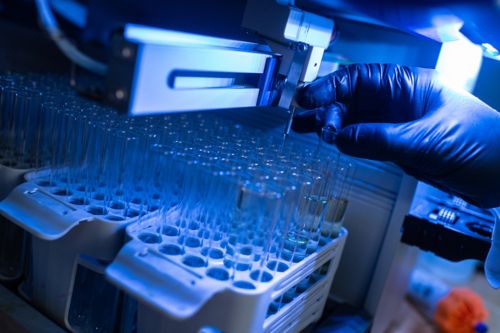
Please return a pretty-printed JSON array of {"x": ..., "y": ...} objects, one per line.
[
  {"x": 126, "y": 52},
  {"x": 120, "y": 94},
  {"x": 301, "y": 47}
]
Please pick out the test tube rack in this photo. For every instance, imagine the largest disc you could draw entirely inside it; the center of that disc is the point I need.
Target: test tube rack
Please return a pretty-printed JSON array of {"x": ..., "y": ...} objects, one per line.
[
  {"x": 72, "y": 227},
  {"x": 67, "y": 232},
  {"x": 186, "y": 292}
]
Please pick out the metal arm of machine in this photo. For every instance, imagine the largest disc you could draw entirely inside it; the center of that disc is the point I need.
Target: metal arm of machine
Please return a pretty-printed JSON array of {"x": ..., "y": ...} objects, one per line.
[
  {"x": 156, "y": 71},
  {"x": 300, "y": 37}
]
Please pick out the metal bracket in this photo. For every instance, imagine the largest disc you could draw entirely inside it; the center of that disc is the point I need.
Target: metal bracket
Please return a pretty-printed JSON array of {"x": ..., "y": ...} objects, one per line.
[{"x": 170, "y": 71}]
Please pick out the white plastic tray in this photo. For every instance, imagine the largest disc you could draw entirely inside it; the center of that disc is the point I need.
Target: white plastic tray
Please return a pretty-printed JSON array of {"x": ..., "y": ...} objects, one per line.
[
  {"x": 174, "y": 297},
  {"x": 61, "y": 231}
]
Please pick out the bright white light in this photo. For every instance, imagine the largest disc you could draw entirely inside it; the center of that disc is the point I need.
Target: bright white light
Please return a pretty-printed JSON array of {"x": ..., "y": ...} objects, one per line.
[{"x": 459, "y": 63}]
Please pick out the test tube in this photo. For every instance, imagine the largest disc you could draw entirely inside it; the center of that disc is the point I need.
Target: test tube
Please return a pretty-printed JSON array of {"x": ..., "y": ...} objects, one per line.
[{"x": 338, "y": 199}]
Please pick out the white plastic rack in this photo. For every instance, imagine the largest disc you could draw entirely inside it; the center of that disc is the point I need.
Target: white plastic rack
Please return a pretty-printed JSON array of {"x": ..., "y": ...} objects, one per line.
[
  {"x": 68, "y": 232},
  {"x": 186, "y": 288}
]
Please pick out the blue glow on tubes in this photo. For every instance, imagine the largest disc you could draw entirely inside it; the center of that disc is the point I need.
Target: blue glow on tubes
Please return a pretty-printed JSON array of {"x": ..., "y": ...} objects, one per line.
[{"x": 226, "y": 198}]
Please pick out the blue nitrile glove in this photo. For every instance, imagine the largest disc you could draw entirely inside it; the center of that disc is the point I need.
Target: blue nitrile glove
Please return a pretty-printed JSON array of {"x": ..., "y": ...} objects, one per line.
[
  {"x": 445, "y": 137},
  {"x": 439, "y": 135}
]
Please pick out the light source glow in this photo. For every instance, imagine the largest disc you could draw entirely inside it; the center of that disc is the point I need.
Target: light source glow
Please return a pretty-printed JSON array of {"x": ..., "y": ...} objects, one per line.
[{"x": 459, "y": 63}]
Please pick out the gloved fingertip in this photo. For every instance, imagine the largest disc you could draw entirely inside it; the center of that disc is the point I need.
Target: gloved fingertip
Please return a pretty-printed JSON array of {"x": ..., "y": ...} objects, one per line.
[
  {"x": 326, "y": 121},
  {"x": 316, "y": 94},
  {"x": 304, "y": 122},
  {"x": 304, "y": 97},
  {"x": 334, "y": 115}
]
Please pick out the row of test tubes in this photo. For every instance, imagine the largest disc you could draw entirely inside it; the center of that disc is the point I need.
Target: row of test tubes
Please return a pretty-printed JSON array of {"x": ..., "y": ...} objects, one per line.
[
  {"x": 239, "y": 198},
  {"x": 248, "y": 206},
  {"x": 21, "y": 123}
]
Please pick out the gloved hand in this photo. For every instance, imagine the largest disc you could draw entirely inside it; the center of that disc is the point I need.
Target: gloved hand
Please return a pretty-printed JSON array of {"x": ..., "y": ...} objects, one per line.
[{"x": 408, "y": 116}]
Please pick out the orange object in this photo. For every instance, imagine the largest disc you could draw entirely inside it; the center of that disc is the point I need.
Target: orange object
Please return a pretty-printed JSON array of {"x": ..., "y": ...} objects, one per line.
[{"x": 460, "y": 311}]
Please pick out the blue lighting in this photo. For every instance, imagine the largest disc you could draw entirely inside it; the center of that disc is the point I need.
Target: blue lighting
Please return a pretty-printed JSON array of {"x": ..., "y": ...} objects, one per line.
[{"x": 149, "y": 35}]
